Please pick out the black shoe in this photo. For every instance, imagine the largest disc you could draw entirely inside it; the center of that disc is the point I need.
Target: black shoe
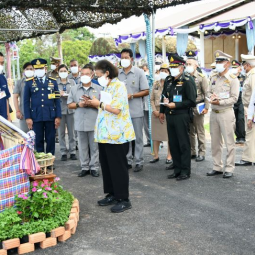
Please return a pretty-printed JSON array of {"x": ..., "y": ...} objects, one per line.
[
  {"x": 171, "y": 166},
  {"x": 121, "y": 206},
  {"x": 64, "y": 158},
  {"x": 161, "y": 145},
  {"x": 108, "y": 200},
  {"x": 243, "y": 163},
  {"x": 51, "y": 167},
  {"x": 147, "y": 145},
  {"x": 200, "y": 158},
  {"x": 154, "y": 160},
  {"x": 214, "y": 172},
  {"x": 73, "y": 157},
  {"x": 227, "y": 175},
  {"x": 57, "y": 140},
  {"x": 182, "y": 177},
  {"x": 169, "y": 161},
  {"x": 193, "y": 156},
  {"x": 130, "y": 167},
  {"x": 173, "y": 176},
  {"x": 240, "y": 141},
  {"x": 83, "y": 173},
  {"x": 77, "y": 148},
  {"x": 138, "y": 168},
  {"x": 94, "y": 173}
]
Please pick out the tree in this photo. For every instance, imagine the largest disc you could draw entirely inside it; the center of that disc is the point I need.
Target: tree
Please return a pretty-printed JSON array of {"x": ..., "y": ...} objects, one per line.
[{"x": 81, "y": 34}]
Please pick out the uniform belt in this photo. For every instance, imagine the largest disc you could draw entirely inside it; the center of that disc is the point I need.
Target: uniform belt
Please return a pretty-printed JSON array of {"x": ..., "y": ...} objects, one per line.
[
  {"x": 176, "y": 112},
  {"x": 220, "y": 111}
]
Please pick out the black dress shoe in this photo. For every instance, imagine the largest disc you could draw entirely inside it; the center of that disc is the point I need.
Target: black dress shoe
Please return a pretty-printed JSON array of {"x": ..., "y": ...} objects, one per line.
[
  {"x": 171, "y": 166},
  {"x": 227, "y": 175},
  {"x": 64, "y": 158},
  {"x": 169, "y": 161},
  {"x": 240, "y": 141},
  {"x": 94, "y": 173},
  {"x": 173, "y": 176},
  {"x": 193, "y": 156},
  {"x": 83, "y": 173},
  {"x": 243, "y": 163},
  {"x": 182, "y": 177},
  {"x": 214, "y": 172},
  {"x": 57, "y": 140},
  {"x": 130, "y": 167},
  {"x": 147, "y": 145},
  {"x": 200, "y": 158},
  {"x": 154, "y": 160},
  {"x": 108, "y": 200},
  {"x": 138, "y": 168},
  {"x": 73, "y": 157},
  {"x": 121, "y": 206},
  {"x": 76, "y": 148}
]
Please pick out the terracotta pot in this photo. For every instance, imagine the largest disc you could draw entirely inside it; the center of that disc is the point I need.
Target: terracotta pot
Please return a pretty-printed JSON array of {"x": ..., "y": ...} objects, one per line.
[
  {"x": 36, "y": 238},
  {"x": 48, "y": 242},
  {"x": 25, "y": 248},
  {"x": 64, "y": 237},
  {"x": 12, "y": 243},
  {"x": 49, "y": 177}
]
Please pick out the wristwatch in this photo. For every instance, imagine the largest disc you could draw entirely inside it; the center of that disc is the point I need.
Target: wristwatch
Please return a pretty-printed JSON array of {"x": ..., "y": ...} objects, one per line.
[
  {"x": 77, "y": 105},
  {"x": 132, "y": 96}
]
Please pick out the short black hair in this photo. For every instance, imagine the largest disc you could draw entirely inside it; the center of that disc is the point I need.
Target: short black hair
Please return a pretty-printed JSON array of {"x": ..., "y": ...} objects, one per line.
[
  {"x": 73, "y": 60},
  {"x": 105, "y": 65},
  {"x": 88, "y": 66},
  {"x": 63, "y": 65},
  {"x": 127, "y": 51},
  {"x": 1, "y": 54},
  {"x": 25, "y": 65}
]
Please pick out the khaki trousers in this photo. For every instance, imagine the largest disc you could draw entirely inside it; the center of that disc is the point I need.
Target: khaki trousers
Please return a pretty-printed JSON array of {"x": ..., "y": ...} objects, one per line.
[
  {"x": 223, "y": 125},
  {"x": 249, "y": 147},
  {"x": 197, "y": 128}
]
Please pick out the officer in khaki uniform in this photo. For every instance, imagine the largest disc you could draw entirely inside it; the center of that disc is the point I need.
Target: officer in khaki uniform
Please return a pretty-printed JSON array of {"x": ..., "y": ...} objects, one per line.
[
  {"x": 54, "y": 64},
  {"x": 248, "y": 156},
  {"x": 197, "y": 126},
  {"x": 223, "y": 93}
]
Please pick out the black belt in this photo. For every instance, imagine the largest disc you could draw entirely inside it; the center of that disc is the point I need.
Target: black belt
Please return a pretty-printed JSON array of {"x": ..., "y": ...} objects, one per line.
[{"x": 176, "y": 112}]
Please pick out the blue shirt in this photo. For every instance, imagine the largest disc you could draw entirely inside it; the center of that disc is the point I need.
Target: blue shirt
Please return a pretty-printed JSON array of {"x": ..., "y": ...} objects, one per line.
[{"x": 3, "y": 101}]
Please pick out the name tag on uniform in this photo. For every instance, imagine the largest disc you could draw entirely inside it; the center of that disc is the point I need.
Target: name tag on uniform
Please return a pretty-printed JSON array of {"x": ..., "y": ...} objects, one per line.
[
  {"x": 51, "y": 96},
  {"x": 224, "y": 95},
  {"x": 177, "y": 98},
  {"x": 2, "y": 94}
]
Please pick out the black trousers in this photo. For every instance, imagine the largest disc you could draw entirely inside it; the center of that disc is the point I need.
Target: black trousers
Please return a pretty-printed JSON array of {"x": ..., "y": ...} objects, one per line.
[
  {"x": 178, "y": 134},
  {"x": 240, "y": 123},
  {"x": 115, "y": 169}
]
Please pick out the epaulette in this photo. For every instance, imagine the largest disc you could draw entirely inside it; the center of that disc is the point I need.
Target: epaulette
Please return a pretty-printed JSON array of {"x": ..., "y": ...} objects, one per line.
[
  {"x": 232, "y": 76},
  {"x": 200, "y": 74},
  {"x": 52, "y": 78},
  {"x": 29, "y": 79}
]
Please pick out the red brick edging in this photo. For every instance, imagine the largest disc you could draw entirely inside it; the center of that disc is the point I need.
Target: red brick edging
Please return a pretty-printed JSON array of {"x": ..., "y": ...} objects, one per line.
[{"x": 60, "y": 234}]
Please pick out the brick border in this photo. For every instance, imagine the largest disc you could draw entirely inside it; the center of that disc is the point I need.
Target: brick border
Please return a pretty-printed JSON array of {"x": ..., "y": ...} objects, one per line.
[{"x": 60, "y": 234}]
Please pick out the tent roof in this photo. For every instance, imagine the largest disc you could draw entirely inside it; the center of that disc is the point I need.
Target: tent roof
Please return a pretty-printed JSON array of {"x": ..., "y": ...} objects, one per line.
[{"x": 26, "y": 18}]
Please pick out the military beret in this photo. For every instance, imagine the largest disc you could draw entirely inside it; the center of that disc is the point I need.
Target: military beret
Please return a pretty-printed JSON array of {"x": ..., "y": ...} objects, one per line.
[{"x": 39, "y": 63}]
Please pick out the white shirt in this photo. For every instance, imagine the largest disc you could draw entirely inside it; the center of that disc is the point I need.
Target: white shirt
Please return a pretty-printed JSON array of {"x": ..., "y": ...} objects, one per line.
[{"x": 251, "y": 108}]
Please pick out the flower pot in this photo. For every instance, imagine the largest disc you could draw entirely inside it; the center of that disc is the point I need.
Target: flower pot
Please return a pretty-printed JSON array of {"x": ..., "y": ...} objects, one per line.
[
  {"x": 36, "y": 238},
  {"x": 57, "y": 232},
  {"x": 24, "y": 239},
  {"x": 64, "y": 237},
  {"x": 49, "y": 177},
  {"x": 48, "y": 242},
  {"x": 11, "y": 243},
  {"x": 25, "y": 248},
  {"x": 3, "y": 252}
]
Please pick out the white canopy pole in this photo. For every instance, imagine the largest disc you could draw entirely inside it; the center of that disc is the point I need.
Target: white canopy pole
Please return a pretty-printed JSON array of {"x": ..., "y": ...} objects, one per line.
[
  {"x": 164, "y": 49},
  {"x": 202, "y": 49},
  {"x": 153, "y": 43},
  {"x": 236, "y": 48}
]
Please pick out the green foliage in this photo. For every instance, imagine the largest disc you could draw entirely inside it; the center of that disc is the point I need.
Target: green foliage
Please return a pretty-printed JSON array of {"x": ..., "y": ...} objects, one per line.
[
  {"x": 47, "y": 206},
  {"x": 81, "y": 34}
]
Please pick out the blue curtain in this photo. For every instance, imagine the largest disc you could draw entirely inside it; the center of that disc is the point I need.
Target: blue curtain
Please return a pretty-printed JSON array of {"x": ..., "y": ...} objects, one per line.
[
  {"x": 142, "y": 48},
  {"x": 132, "y": 46},
  {"x": 250, "y": 36},
  {"x": 182, "y": 43}
]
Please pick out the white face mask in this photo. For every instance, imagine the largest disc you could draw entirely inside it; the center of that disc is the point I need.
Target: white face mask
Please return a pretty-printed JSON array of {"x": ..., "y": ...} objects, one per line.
[
  {"x": 174, "y": 71},
  {"x": 220, "y": 68},
  {"x": 157, "y": 77},
  {"x": 103, "y": 81},
  {"x": 163, "y": 75},
  {"x": 85, "y": 79},
  {"x": 63, "y": 75},
  {"x": 234, "y": 71},
  {"x": 1, "y": 69},
  {"x": 29, "y": 73},
  {"x": 39, "y": 73},
  {"x": 53, "y": 67},
  {"x": 74, "y": 69},
  {"x": 125, "y": 63},
  {"x": 190, "y": 69}
]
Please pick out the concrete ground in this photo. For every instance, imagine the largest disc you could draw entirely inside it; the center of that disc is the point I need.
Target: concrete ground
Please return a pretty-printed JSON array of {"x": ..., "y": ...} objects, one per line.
[{"x": 202, "y": 215}]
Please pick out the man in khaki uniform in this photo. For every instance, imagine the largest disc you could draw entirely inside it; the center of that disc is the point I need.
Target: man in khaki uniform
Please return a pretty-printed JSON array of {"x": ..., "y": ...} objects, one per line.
[
  {"x": 249, "y": 84},
  {"x": 54, "y": 64},
  {"x": 197, "y": 127},
  {"x": 223, "y": 93}
]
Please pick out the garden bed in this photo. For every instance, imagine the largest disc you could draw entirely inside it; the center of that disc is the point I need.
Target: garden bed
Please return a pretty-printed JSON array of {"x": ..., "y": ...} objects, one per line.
[{"x": 47, "y": 215}]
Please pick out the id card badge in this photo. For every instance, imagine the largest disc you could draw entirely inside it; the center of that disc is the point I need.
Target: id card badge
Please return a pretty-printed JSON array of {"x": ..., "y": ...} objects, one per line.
[
  {"x": 51, "y": 96},
  {"x": 177, "y": 98},
  {"x": 2, "y": 94},
  {"x": 224, "y": 95}
]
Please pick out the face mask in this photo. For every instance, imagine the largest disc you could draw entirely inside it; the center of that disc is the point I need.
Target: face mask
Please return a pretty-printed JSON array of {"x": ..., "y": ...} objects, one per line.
[
  {"x": 103, "y": 81},
  {"x": 174, "y": 72},
  {"x": 1, "y": 69},
  {"x": 39, "y": 73},
  {"x": 53, "y": 67},
  {"x": 163, "y": 75},
  {"x": 157, "y": 77},
  {"x": 234, "y": 70},
  {"x": 63, "y": 75},
  {"x": 29, "y": 73},
  {"x": 220, "y": 68},
  {"x": 74, "y": 69},
  {"x": 85, "y": 79},
  {"x": 189, "y": 69},
  {"x": 125, "y": 63}
]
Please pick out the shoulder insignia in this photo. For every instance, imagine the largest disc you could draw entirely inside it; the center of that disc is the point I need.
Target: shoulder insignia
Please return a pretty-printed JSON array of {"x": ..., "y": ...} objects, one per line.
[
  {"x": 29, "y": 79},
  {"x": 232, "y": 76},
  {"x": 202, "y": 75},
  {"x": 52, "y": 78}
]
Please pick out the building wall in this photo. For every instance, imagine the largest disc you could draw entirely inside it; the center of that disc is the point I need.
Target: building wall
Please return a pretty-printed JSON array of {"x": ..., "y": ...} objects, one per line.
[{"x": 226, "y": 44}]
